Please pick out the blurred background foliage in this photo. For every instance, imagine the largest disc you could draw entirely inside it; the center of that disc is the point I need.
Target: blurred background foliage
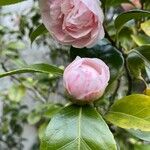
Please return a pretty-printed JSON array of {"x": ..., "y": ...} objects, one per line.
[{"x": 29, "y": 101}]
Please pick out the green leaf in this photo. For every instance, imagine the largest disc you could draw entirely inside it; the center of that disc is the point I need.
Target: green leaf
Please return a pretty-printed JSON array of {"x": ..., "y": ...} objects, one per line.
[
  {"x": 16, "y": 93},
  {"x": 145, "y": 26},
  {"x": 9, "y": 2},
  {"x": 37, "y": 32},
  {"x": 105, "y": 51},
  {"x": 77, "y": 128},
  {"x": 131, "y": 112},
  {"x": 140, "y": 134},
  {"x": 141, "y": 39},
  {"x": 40, "y": 68},
  {"x": 127, "y": 16}
]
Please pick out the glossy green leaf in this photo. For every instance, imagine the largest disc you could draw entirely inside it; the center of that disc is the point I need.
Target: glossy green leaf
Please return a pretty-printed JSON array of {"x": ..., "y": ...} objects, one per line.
[
  {"x": 145, "y": 26},
  {"x": 127, "y": 16},
  {"x": 105, "y": 51},
  {"x": 131, "y": 112},
  {"x": 9, "y": 2},
  {"x": 140, "y": 134},
  {"x": 37, "y": 32},
  {"x": 78, "y": 128},
  {"x": 40, "y": 68}
]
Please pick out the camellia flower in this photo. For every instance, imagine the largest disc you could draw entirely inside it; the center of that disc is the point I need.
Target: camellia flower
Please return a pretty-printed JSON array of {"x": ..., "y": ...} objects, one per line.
[
  {"x": 86, "y": 79},
  {"x": 73, "y": 22},
  {"x": 127, "y": 6}
]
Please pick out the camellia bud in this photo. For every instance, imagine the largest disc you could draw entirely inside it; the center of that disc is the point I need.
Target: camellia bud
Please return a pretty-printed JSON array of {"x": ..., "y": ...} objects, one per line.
[{"x": 86, "y": 79}]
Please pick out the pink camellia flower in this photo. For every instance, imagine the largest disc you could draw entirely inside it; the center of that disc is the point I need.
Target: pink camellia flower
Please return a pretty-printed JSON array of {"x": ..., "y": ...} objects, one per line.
[
  {"x": 73, "y": 22},
  {"x": 86, "y": 79},
  {"x": 127, "y": 7}
]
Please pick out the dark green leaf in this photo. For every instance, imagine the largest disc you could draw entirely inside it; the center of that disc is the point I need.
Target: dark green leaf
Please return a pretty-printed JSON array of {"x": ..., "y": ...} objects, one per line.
[
  {"x": 37, "y": 32},
  {"x": 131, "y": 112},
  {"x": 124, "y": 37},
  {"x": 137, "y": 59},
  {"x": 9, "y": 2},
  {"x": 78, "y": 128},
  {"x": 105, "y": 51},
  {"x": 127, "y": 16},
  {"x": 40, "y": 68}
]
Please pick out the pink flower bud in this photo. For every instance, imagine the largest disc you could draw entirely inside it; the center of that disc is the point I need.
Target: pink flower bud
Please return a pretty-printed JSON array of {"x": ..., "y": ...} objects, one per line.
[
  {"x": 86, "y": 79},
  {"x": 73, "y": 22}
]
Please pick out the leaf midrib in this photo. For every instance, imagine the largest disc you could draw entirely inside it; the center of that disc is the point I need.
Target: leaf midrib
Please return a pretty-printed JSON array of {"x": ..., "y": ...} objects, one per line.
[{"x": 79, "y": 128}]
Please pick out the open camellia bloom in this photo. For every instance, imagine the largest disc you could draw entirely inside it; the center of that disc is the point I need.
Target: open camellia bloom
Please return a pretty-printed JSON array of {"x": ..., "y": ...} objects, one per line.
[
  {"x": 73, "y": 22},
  {"x": 86, "y": 79}
]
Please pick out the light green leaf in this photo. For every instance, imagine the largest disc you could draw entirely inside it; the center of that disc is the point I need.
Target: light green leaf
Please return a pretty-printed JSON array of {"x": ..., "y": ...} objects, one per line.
[
  {"x": 78, "y": 128},
  {"x": 9, "y": 2},
  {"x": 141, "y": 39},
  {"x": 33, "y": 118},
  {"x": 127, "y": 16},
  {"x": 145, "y": 26},
  {"x": 16, "y": 93},
  {"x": 131, "y": 112},
  {"x": 37, "y": 32},
  {"x": 40, "y": 68},
  {"x": 16, "y": 45}
]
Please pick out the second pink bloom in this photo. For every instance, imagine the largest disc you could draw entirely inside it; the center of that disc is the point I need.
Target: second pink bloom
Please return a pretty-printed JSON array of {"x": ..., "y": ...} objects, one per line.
[{"x": 73, "y": 22}]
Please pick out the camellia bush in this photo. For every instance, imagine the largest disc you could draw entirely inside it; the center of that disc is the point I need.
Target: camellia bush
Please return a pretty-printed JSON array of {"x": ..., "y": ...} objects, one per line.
[{"x": 107, "y": 81}]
